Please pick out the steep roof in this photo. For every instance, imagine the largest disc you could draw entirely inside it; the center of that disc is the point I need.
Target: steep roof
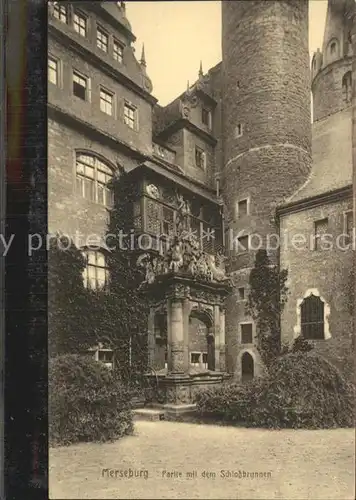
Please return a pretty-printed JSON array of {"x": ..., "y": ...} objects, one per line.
[{"x": 332, "y": 156}]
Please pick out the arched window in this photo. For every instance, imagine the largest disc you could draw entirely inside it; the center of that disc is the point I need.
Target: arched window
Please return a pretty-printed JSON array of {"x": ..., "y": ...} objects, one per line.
[
  {"x": 347, "y": 87},
  {"x": 247, "y": 367},
  {"x": 96, "y": 273},
  {"x": 93, "y": 179},
  {"x": 312, "y": 318},
  {"x": 332, "y": 50}
]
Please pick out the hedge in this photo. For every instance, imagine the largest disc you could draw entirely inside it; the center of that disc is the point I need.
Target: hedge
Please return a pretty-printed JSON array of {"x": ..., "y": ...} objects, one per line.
[
  {"x": 302, "y": 390},
  {"x": 86, "y": 402}
]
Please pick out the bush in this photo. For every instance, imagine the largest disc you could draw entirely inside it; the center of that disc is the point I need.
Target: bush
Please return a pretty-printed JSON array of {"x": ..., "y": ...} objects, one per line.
[
  {"x": 86, "y": 402},
  {"x": 302, "y": 390}
]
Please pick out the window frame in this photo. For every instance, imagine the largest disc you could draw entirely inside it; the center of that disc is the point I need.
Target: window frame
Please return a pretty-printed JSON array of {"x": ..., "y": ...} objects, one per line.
[
  {"x": 128, "y": 105},
  {"x": 81, "y": 76},
  {"x": 304, "y": 324},
  {"x": 242, "y": 324},
  {"x": 81, "y": 16},
  {"x": 111, "y": 94},
  {"x": 208, "y": 115},
  {"x": 86, "y": 274},
  {"x": 97, "y": 161},
  {"x": 240, "y": 298},
  {"x": 60, "y": 8},
  {"x": 318, "y": 237},
  {"x": 238, "y": 215},
  {"x": 239, "y": 131},
  {"x": 246, "y": 250},
  {"x": 202, "y": 155},
  {"x": 58, "y": 70},
  {"x": 117, "y": 43},
  {"x": 103, "y": 33}
]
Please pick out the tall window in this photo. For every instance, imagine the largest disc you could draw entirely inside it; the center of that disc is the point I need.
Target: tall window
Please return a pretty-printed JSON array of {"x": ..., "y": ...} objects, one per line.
[
  {"x": 130, "y": 115},
  {"x": 246, "y": 333},
  {"x": 242, "y": 208},
  {"x": 312, "y": 318},
  {"x": 102, "y": 40},
  {"x": 206, "y": 117},
  {"x": 239, "y": 130},
  {"x": 96, "y": 273},
  {"x": 349, "y": 225},
  {"x": 80, "y": 24},
  {"x": 53, "y": 70},
  {"x": 93, "y": 179},
  {"x": 106, "y": 102},
  {"x": 60, "y": 12},
  {"x": 320, "y": 231},
  {"x": 118, "y": 51},
  {"x": 199, "y": 157},
  {"x": 347, "y": 87},
  {"x": 80, "y": 86}
]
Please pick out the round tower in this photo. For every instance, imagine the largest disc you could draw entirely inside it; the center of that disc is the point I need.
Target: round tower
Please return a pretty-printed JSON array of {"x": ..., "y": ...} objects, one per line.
[
  {"x": 266, "y": 129},
  {"x": 332, "y": 67}
]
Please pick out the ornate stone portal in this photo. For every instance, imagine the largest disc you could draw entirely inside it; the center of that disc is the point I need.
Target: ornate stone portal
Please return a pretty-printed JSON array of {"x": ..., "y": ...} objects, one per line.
[{"x": 183, "y": 283}]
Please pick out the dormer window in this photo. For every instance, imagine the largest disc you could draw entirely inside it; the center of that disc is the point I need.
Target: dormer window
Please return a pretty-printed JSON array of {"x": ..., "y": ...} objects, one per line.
[
  {"x": 80, "y": 24},
  {"x": 60, "y": 12},
  {"x": 118, "y": 51},
  {"x": 102, "y": 40}
]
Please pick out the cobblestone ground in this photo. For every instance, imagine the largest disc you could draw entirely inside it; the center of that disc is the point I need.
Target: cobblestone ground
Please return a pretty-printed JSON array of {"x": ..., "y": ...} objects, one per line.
[{"x": 289, "y": 464}]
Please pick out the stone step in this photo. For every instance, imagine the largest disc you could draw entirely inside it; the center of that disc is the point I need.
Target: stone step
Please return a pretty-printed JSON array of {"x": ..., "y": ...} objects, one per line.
[{"x": 148, "y": 414}]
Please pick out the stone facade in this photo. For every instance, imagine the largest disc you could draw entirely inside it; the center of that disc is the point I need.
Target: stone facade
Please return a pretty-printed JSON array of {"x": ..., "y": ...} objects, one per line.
[{"x": 239, "y": 139}]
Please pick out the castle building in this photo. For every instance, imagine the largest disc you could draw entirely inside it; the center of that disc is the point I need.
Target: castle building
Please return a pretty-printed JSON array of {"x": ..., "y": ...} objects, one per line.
[{"x": 238, "y": 146}]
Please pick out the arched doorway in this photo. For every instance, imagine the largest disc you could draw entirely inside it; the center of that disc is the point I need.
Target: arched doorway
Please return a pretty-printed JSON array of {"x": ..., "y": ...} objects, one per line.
[
  {"x": 201, "y": 342},
  {"x": 247, "y": 367}
]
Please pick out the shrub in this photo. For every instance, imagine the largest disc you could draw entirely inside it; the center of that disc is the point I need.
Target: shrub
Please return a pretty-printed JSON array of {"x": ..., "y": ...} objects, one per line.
[
  {"x": 86, "y": 402},
  {"x": 302, "y": 390}
]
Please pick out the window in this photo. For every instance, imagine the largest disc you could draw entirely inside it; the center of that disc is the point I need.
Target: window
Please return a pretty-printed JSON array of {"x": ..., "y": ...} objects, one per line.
[
  {"x": 333, "y": 48},
  {"x": 312, "y": 318},
  {"x": 60, "y": 12},
  {"x": 130, "y": 115},
  {"x": 241, "y": 293},
  {"x": 80, "y": 86},
  {"x": 347, "y": 87},
  {"x": 206, "y": 117},
  {"x": 205, "y": 359},
  {"x": 242, "y": 208},
  {"x": 238, "y": 130},
  {"x": 53, "y": 70},
  {"x": 199, "y": 157},
  {"x": 195, "y": 358},
  {"x": 93, "y": 178},
  {"x": 118, "y": 51},
  {"x": 320, "y": 230},
  {"x": 106, "y": 356},
  {"x": 102, "y": 40},
  {"x": 80, "y": 24},
  {"x": 246, "y": 333},
  {"x": 243, "y": 245},
  {"x": 349, "y": 225},
  {"x": 106, "y": 102},
  {"x": 96, "y": 273}
]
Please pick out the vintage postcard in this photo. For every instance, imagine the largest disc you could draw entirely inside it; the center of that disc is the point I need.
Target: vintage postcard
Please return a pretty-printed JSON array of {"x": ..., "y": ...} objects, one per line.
[{"x": 201, "y": 249}]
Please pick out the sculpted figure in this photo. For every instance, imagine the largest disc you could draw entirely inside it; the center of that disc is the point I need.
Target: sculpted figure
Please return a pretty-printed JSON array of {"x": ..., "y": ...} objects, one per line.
[{"x": 176, "y": 257}]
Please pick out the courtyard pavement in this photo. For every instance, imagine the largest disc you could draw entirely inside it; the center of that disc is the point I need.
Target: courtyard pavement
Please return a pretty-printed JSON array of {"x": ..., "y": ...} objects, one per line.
[{"x": 290, "y": 464}]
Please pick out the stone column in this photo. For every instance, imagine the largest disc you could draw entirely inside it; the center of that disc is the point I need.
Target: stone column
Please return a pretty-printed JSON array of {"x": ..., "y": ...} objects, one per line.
[
  {"x": 222, "y": 341},
  {"x": 217, "y": 336},
  {"x": 151, "y": 343},
  {"x": 176, "y": 336},
  {"x": 186, "y": 314}
]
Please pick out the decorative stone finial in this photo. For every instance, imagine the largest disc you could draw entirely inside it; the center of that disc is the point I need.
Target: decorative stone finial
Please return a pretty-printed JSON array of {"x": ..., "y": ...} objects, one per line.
[
  {"x": 143, "y": 57},
  {"x": 201, "y": 70}
]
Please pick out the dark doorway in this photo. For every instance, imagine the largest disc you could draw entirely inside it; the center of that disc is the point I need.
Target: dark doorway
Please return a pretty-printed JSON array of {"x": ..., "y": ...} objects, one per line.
[
  {"x": 247, "y": 367},
  {"x": 211, "y": 352}
]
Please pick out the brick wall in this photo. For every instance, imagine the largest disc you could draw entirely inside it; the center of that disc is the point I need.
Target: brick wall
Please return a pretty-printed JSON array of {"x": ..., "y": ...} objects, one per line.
[{"x": 327, "y": 271}]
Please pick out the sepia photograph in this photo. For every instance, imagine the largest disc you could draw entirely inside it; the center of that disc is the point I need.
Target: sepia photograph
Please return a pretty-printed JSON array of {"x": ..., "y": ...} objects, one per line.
[{"x": 201, "y": 249}]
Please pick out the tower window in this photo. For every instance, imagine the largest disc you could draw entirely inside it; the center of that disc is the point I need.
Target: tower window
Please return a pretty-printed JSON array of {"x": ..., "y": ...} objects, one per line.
[
  {"x": 80, "y": 24},
  {"x": 106, "y": 102},
  {"x": 206, "y": 117},
  {"x": 102, "y": 40},
  {"x": 333, "y": 48},
  {"x": 320, "y": 230},
  {"x": 241, "y": 293},
  {"x": 347, "y": 87},
  {"x": 80, "y": 86},
  {"x": 312, "y": 318},
  {"x": 118, "y": 51},
  {"x": 96, "y": 273},
  {"x": 199, "y": 157},
  {"x": 130, "y": 115},
  {"x": 246, "y": 333},
  {"x": 60, "y": 12},
  {"x": 242, "y": 208}
]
